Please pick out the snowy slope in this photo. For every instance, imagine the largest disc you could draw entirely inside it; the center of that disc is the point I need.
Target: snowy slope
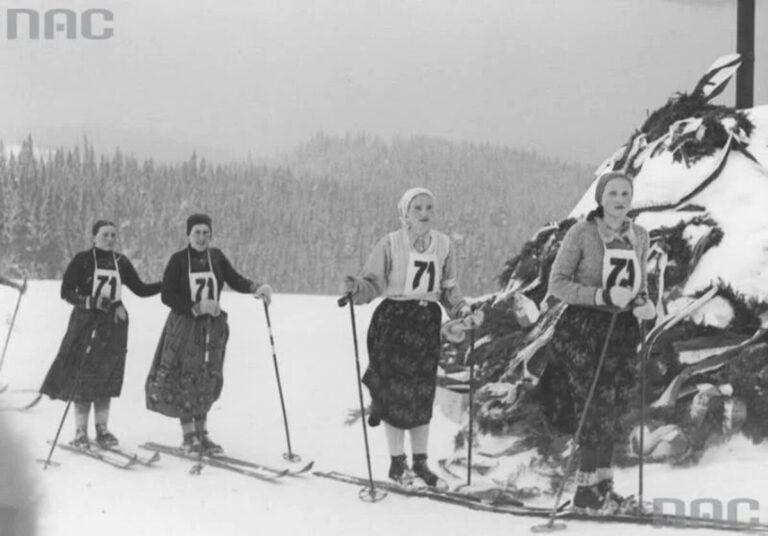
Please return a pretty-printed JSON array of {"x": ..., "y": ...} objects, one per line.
[{"x": 316, "y": 359}]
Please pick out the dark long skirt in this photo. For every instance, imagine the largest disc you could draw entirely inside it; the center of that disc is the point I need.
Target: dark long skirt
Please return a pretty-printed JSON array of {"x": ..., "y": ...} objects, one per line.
[
  {"x": 180, "y": 382},
  {"x": 97, "y": 342},
  {"x": 577, "y": 344},
  {"x": 403, "y": 353}
]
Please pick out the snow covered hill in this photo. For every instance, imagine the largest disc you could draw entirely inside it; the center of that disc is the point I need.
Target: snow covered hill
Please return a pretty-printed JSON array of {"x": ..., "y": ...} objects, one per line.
[{"x": 315, "y": 353}]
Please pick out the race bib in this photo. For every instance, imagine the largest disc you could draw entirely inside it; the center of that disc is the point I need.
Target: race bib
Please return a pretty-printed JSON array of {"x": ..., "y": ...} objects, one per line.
[
  {"x": 106, "y": 281},
  {"x": 621, "y": 269},
  {"x": 423, "y": 275},
  {"x": 202, "y": 286}
]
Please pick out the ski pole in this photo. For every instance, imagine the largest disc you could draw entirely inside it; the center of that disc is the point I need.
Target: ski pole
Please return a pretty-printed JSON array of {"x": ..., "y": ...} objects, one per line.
[
  {"x": 550, "y": 525},
  {"x": 290, "y": 455},
  {"x": 198, "y": 467},
  {"x": 370, "y": 494},
  {"x": 71, "y": 396},
  {"x": 471, "y": 403},
  {"x": 643, "y": 358},
  {"x": 13, "y": 322}
]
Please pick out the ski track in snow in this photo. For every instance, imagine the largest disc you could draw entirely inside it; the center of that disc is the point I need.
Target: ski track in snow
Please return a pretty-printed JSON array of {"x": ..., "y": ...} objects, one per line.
[{"x": 316, "y": 359}]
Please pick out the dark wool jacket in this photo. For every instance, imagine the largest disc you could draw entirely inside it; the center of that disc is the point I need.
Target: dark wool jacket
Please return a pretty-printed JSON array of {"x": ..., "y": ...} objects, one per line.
[
  {"x": 78, "y": 277},
  {"x": 175, "y": 293}
]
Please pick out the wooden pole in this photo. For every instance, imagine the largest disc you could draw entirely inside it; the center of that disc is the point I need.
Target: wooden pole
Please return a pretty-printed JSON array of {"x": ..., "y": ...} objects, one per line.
[{"x": 745, "y": 46}]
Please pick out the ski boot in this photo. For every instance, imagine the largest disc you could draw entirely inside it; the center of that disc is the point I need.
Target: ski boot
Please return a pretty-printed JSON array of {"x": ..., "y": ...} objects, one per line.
[
  {"x": 209, "y": 447},
  {"x": 588, "y": 500},
  {"x": 399, "y": 471},
  {"x": 104, "y": 437},
  {"x": 191, "y": 443},
  {"x": 422, "y": 470},
  {"x": 613, "y": 502},
  {"x": 81, "y": 440}
]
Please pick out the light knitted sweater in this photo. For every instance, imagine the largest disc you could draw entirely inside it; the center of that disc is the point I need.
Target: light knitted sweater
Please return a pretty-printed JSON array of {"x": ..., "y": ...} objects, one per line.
[
  {"x": 577, "y": 273},
  {"x": 385, "y": 272}
]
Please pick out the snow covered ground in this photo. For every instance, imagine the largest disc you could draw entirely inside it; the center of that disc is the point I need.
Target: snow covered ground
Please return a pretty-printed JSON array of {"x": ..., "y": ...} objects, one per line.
[{"x": 316, "y": 358}]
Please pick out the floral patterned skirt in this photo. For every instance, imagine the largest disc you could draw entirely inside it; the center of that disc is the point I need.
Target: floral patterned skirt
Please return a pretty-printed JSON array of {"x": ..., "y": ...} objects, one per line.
[
  {"x": 576, "y": 345},
  {"x": 403, "y": 353},
  {"x": 186, "y": 378}
]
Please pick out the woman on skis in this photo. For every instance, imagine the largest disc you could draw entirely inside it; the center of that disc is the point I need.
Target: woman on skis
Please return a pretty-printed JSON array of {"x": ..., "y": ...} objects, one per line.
[
  {"x": 186, "y": 375},
  {"x": 599, "y": 271},
  {"x": 90, "y": 364},
  {"x": 414, "y": 268}
]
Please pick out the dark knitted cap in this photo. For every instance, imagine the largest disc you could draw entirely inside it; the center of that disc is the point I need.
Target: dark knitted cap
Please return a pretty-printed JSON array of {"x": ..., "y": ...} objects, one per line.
[
  {"x": 197, "y": 219},
  {"x": 99, "y": 224},
  {"x": 605, "y": 178}
]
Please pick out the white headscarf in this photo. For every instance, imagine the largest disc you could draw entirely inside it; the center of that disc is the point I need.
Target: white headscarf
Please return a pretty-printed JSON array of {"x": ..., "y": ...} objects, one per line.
[{"x": 405, "y": 201}]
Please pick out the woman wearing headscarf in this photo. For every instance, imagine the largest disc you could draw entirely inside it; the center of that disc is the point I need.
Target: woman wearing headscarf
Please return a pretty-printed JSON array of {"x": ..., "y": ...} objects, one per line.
[
  {"x": 90, "y": 364},
  {"x": 186, "y": 376},
  {"x": 600, "y": 270},
  {"x": 414, "y": 268}
]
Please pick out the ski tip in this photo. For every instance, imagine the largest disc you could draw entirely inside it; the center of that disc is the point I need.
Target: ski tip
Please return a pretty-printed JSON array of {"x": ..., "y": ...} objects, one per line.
[
  {"x": 155, "y": 448},
  {"x": 308, "y": 467},
  {"x": 33, "y": 403},
  {"x": 155, "y": 457}
]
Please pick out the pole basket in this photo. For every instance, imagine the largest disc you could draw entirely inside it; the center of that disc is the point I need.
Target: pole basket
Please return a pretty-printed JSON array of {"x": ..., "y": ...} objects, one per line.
[
  {"x": 548, "y": 527},
  {"x": 371, "y": 495},
  {"x": 291, "y": 457},
  {"x": 47, "y": 463}
]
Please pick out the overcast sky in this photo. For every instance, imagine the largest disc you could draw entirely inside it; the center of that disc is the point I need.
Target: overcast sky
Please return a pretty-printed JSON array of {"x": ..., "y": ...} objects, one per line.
[{"x": 566, "y": 78}]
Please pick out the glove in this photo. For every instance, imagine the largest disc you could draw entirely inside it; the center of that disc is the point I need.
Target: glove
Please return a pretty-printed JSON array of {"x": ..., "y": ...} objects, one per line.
[
  {"x": 351, "y": 285},
  {"x": 525, "y": 309},
  {"x": 474, "y": 320},
  {"x": 643, "y": 309},
  {"x": 264, "y": 292},
  {"x": 470, "y": 319},
  {"x": 615, "y": 296},
  {"x": 100, "y": 303},
  {"x": 22, "y": 288},
  {"x": 206, "y": 307},
  {"x": 121, "y": 315}
]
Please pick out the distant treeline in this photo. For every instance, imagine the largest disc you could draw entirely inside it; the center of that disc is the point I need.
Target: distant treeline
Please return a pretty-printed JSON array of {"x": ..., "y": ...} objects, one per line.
[{"x": 301, "y": 221}]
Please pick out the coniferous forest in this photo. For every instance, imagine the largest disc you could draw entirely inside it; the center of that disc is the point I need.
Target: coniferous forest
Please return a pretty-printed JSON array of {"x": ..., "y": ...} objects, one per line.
[{"x": 301, "y": 220}]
